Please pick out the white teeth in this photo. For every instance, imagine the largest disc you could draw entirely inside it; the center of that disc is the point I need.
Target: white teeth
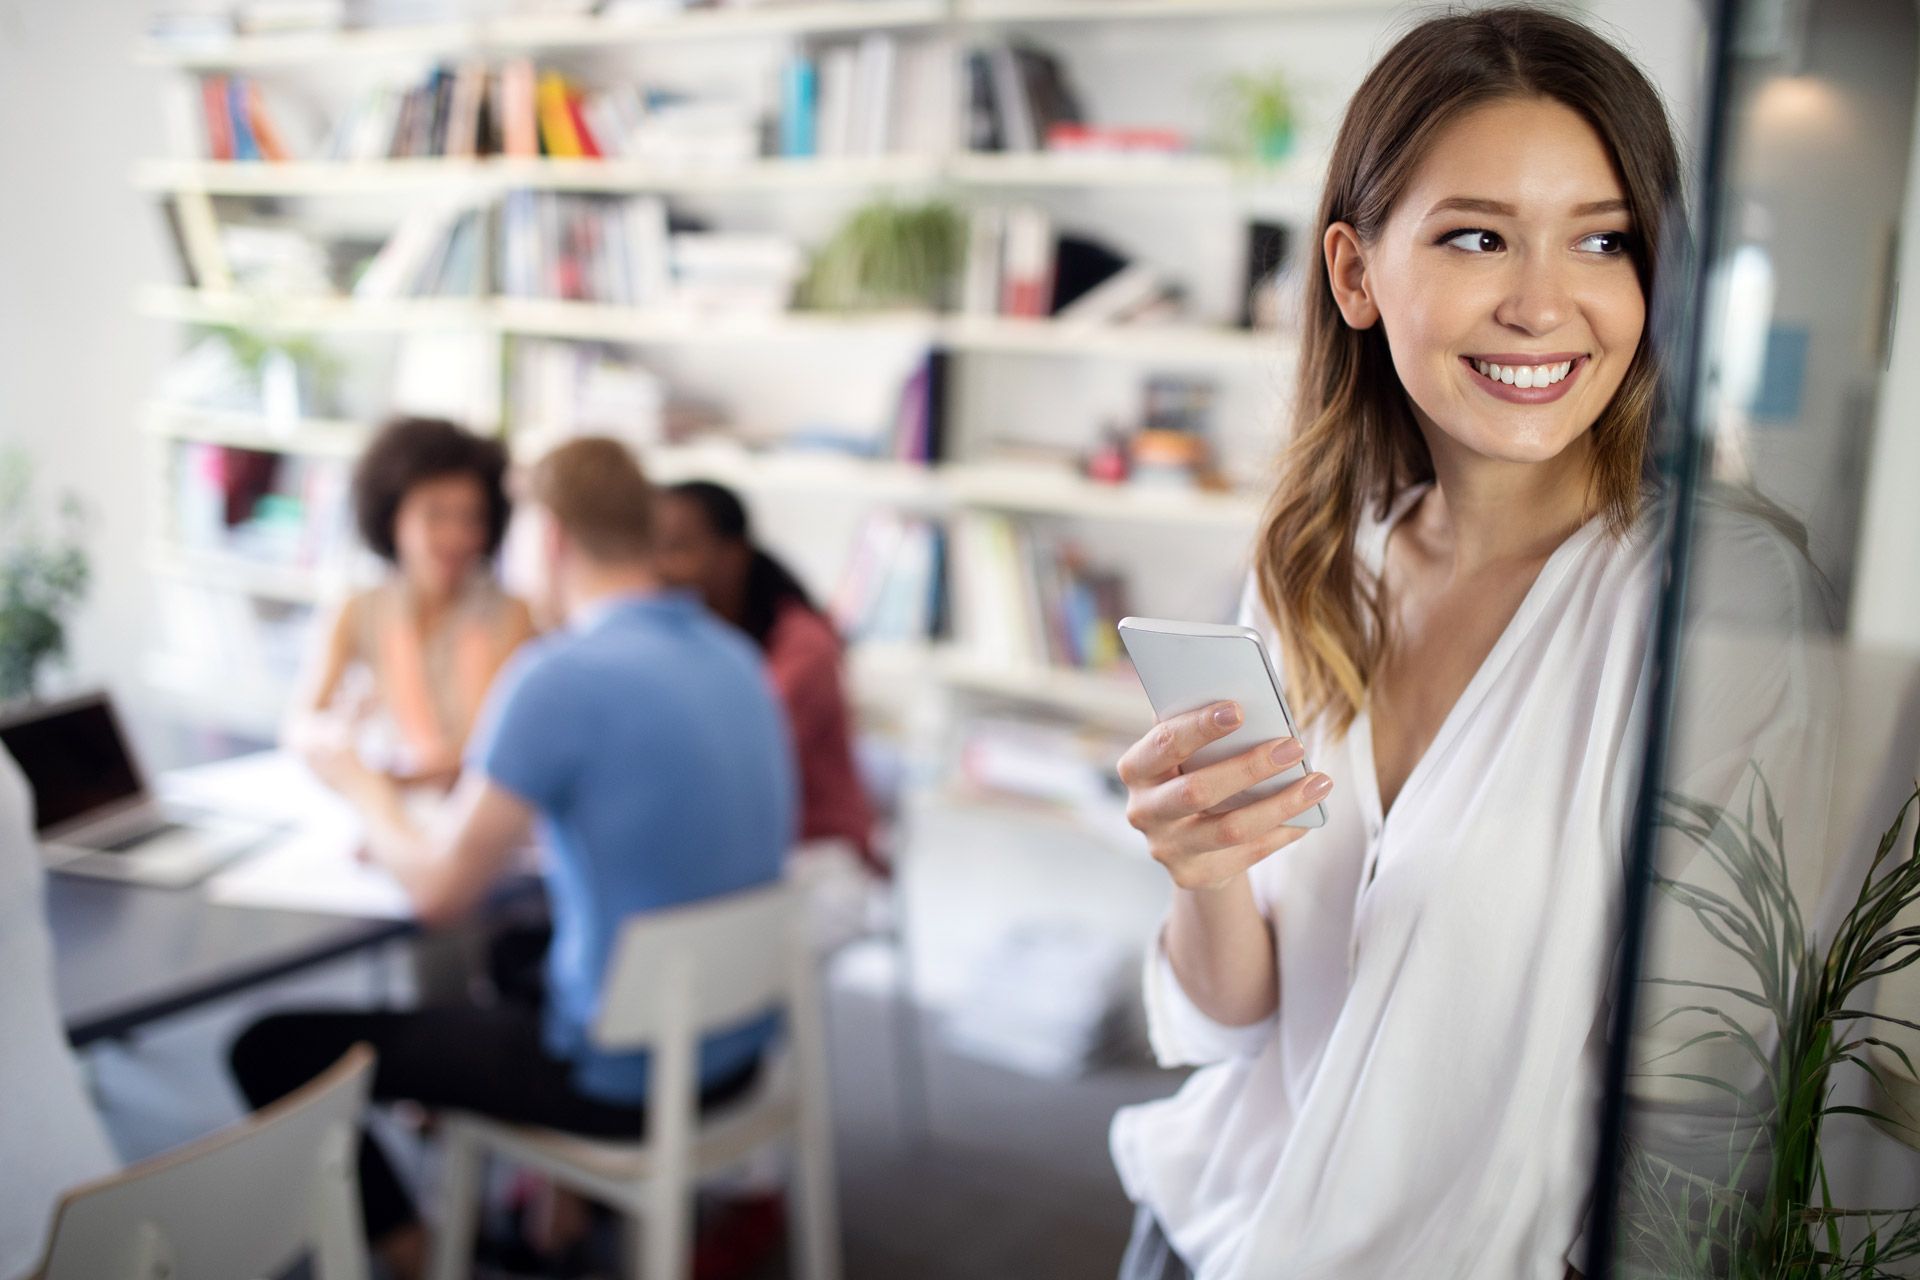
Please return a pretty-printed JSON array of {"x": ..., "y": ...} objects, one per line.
[{"x": 1524, "y": 375}]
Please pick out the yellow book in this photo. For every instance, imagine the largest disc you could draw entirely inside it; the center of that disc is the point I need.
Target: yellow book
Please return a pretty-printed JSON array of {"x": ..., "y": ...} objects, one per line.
[{"x": 556, "y": 122}]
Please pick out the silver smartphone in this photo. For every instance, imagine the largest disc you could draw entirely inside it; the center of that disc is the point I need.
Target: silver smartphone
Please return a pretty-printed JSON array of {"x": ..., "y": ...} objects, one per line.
[{"x": 1188, "y": 665}]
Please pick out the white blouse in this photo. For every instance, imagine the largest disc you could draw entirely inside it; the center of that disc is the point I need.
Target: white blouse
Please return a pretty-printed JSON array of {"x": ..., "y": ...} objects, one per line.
[
  {"x": 1421, "y": 1102},
  {"x": 1424, "y": 1101}
]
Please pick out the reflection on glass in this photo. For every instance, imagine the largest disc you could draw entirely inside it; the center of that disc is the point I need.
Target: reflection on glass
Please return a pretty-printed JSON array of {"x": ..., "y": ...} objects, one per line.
[{"x": 1773, "y": 1116}]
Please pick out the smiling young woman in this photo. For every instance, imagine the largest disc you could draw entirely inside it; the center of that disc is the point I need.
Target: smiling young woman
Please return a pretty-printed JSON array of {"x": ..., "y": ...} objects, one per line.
[{"x": 1400, "y": 1016}]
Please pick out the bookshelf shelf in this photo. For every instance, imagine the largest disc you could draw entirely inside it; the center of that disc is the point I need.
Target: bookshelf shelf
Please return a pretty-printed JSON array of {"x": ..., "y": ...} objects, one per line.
[
  {"x": 493, "y": 175},
  {"x": 310, "y": 437},
  {"x": 313, "y": 314},
  {"x": 595, "y": 322},
  {"x": 1112, "y": 700},
  {"x": 233, "y": 573}
]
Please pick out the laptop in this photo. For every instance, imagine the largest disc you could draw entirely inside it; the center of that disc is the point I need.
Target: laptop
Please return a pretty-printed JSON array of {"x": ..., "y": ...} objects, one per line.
[{"x": 93, "y": 811}]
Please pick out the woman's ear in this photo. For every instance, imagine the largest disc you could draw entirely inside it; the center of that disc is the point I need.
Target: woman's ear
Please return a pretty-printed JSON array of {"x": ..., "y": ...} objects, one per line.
[{"x": 1347, "y": 276}]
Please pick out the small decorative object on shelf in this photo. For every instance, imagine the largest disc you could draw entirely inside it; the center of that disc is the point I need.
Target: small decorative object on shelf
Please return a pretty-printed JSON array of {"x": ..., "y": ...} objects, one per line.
[
  {"x": 40, "y": 582},
  {"x": 1264, "y": 121}
]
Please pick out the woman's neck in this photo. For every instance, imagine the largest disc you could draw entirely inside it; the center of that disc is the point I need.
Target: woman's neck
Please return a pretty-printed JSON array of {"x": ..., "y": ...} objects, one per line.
[{"x": 1484, "y": 511}]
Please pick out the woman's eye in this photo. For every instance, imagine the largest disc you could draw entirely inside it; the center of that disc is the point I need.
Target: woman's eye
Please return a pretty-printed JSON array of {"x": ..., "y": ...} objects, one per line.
[
  {"x": 1607, "y": 243},
  {"x": 1474, "y": 241}
]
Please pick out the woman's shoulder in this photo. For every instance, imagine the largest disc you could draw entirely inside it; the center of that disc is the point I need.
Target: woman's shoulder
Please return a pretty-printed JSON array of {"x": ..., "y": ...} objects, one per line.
[{"x": 801, "y": 630}]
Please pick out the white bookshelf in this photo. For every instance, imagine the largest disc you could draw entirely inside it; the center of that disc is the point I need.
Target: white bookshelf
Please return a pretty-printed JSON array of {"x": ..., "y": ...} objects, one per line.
[
  {"x": 308, "y": 437},
  {"x": 280, "y": 583},
  {"x": 1289, "y": 186},
  {"x": 596, "y": 322}
]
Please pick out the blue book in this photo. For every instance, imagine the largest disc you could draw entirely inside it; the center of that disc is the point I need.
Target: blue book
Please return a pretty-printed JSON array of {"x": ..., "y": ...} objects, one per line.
[
  {"x": 797, "y": 108},
  {"x": 244, "y": 146}
]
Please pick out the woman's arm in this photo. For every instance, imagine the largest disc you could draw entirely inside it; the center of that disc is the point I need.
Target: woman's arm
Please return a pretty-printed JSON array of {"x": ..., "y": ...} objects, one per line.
[
  {"x": 311, "y": 726},
  {"x": 1219, "y": 943}
]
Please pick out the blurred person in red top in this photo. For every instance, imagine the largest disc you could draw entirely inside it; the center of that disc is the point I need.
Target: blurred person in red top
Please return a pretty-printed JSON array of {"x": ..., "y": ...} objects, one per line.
[{"x": 703, "y": 541}]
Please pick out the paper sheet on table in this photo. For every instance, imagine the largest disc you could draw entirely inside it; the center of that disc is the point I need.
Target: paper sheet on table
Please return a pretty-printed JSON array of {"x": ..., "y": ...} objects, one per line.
[{"x": 314, "y": 869}]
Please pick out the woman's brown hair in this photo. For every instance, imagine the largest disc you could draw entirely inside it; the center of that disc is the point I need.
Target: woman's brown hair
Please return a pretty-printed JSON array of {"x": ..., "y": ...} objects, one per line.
[{"x": 1355, "y": 439}]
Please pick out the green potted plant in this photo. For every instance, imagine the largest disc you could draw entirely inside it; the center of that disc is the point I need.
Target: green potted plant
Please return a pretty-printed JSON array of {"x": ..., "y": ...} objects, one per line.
[
  {"x": 1773, "y": 1216},
  {"x": 40, "y": 582},
  {"x": 1264, "y": 120},
  {"x": 887, "y": 256}
]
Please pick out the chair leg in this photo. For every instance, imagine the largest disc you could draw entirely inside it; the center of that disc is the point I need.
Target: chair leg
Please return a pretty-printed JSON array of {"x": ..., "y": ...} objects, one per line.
[
  {"x": 462, "y": 1165},
  {"x": 664, "y": 1249},
  {"x": 817, "y": 1226}
]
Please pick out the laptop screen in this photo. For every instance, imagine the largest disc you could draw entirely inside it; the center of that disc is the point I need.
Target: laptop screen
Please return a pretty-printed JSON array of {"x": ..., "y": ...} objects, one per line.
[{"x": 74, "y": 758}]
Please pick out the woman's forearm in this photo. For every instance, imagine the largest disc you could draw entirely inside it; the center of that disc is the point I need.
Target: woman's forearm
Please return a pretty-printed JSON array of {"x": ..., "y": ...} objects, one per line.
[{"x": 1222, "y": 951}]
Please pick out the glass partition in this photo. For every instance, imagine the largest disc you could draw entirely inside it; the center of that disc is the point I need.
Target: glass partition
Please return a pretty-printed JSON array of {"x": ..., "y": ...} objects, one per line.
[{"x": 1763, "y": 1112}]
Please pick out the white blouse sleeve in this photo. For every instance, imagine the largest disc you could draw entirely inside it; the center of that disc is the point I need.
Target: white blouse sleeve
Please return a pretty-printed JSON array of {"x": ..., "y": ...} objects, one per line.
[{"x": 1182, "y": 1035}]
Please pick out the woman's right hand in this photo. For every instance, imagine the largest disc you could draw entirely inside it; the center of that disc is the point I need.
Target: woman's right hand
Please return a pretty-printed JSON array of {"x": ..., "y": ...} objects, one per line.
[{"x": 1202, "y": 850}]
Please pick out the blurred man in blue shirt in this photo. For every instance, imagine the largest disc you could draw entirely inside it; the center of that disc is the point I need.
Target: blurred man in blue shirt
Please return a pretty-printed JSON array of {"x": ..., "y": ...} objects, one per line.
[{"x": 645, "y": 741}]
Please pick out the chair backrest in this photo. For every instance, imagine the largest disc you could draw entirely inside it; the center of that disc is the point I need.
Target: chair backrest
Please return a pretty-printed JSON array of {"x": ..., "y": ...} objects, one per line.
[
  {"x": 242, "y": 1203},
  {"x": 729, "y": 957}
]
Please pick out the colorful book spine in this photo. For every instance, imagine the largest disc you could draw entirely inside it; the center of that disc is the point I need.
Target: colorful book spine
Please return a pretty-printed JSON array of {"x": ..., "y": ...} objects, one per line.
[{"x": 799, "y": 100}]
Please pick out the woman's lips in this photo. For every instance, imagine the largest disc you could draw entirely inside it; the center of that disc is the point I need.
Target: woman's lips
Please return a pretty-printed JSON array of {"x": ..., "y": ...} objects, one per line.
[{"x": 1523, "y": 395}]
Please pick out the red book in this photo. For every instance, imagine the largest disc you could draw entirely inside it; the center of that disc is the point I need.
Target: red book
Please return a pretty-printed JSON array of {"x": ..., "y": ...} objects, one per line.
[
  {"x": 588, "y": 147},
  {"x": 213, "y": 100}
]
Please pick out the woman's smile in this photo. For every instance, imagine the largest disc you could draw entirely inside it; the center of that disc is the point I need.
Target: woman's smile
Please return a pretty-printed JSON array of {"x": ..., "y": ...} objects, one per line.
[{"x": 1525, "y": 379}]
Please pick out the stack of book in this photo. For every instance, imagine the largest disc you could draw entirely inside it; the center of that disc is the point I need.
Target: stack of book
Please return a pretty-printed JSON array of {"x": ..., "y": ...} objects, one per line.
[
  {"x": 435, "y": 252},
  {"x": 449, "y": 114},
  {"x": 618, "y": 251},
  {"x": 585, "y": 248},
  {"x": 879, "y": 96},
  {"x": 235, "y": 123},
  {"x": 567, "y": 388},
  {"x": 1017, "y": 95},
  {"x": 894, "y": 587},
  {"x": 1019, "y": 265},
  {"x": 1025, "y": 600}
]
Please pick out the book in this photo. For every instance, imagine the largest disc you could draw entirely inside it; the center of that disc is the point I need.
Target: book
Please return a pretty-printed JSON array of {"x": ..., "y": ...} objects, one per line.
[
  {"x": 265, "y": 135},
  {"x": 557, "y": 135},
  {"x": 874, "y": 94},
  {"x": 798, "y": 102},
  {"x": 519, "y": 130},
  {"x": 463, "y": 136},
  {"x": 1026, "y": 288},
  {"x": 217, "y": 117},
  {"x": 838, "y": 88}
]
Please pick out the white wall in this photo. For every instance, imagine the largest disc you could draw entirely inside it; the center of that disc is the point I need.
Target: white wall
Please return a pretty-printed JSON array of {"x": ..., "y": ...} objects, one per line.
[{"x": 75, "y": 240}]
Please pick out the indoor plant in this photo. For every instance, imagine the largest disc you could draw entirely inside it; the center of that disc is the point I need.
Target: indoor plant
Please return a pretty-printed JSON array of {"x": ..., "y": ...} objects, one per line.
[
  {"x": 40, "y": 581},
  {"x": 1773, "y": 1217}
]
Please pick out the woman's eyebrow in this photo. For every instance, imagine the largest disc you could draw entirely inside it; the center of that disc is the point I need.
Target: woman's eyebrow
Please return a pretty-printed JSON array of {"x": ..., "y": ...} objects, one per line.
[{"x": 1477, "y": 204}]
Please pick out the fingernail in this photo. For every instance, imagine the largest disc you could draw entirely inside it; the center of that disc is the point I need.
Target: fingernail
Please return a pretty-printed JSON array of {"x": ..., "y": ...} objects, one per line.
[
  {"x": 1226, "y": 717},
  {"x": 1318, "y": 786},
  {"x": 1289, "y": 752}
]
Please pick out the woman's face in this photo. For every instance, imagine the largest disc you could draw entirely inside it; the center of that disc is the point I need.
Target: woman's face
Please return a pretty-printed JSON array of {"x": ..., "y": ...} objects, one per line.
[
  {"x": 687, "y": 552},
  {"x": 440, "y": 531},
  {"x": 1503, "y": 282}
]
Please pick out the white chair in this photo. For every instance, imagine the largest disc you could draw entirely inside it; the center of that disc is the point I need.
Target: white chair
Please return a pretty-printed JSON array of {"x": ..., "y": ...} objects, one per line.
[
  {"x": 676, "y": 976},
  {"x": 240, "y": 1204}
]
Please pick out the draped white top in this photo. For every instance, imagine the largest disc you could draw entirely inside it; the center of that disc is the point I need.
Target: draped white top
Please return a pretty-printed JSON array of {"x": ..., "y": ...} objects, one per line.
[
  {"x": 1423, "y": 1103},
  {"x": 1420, "y": 1103}
]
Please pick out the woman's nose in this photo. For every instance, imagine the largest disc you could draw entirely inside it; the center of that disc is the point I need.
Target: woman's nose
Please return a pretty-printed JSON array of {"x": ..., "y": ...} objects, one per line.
[{"x": 1537, "y": 301}]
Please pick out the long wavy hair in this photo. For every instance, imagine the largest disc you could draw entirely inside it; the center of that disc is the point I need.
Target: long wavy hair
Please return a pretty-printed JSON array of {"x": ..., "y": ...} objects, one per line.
[{"x": 1355, "y": 439}]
